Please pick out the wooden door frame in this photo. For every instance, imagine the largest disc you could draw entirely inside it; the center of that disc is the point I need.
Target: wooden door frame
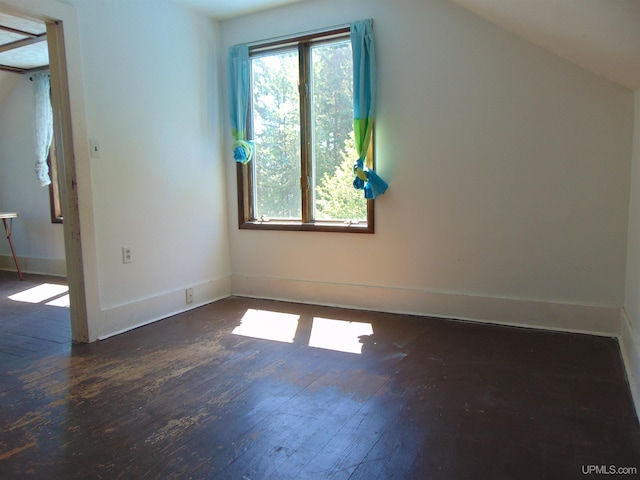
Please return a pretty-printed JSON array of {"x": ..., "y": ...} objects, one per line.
[
  {"x": 64, "y": 138},
  {"x": 63, "y": 135}
]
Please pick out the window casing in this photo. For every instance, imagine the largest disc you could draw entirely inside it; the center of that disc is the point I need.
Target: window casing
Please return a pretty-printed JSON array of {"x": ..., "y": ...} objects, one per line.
[
  {"x": 54, "y": 189},
  {"x": 301, "y": 121}
]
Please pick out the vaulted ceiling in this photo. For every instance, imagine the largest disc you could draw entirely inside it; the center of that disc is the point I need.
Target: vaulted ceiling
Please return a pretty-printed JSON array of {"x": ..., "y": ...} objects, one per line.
[{"x": 602, "y": 36}]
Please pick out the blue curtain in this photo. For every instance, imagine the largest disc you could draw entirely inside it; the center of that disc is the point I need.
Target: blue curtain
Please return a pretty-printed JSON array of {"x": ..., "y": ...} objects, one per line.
[
  {"x": 364, "y": 103},
  {"x": 239, "y": 87}
]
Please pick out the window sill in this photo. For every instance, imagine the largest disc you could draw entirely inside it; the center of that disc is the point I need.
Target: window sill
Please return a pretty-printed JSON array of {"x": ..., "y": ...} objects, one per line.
[{"x": 339, "y": 227}]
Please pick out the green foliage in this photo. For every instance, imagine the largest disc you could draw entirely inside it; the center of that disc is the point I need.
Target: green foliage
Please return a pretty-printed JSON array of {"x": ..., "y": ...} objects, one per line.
[
  {"x": 277, "y": 135},
  {"x": 332, "y": 105},
  {"x": 276, "y": 118},
  {"x": 335, "y": 196}
]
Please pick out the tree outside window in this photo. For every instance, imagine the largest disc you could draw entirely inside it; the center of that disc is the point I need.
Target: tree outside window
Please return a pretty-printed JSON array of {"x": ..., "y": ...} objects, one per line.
[{"x": 301, "y": 122}]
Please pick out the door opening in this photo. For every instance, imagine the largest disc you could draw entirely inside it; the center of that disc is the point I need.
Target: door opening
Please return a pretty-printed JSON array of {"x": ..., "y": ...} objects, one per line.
[{"x": 63, "y": 139}]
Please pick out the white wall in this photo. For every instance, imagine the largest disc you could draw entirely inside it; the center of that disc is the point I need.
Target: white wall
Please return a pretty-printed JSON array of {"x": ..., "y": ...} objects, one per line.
[
  {"x": 158, "y": 187},
  {"x": 39, "y": 244},
  {"x": 143, "y": 81},
  {"x": 630, "y": 339},
  {"x": 7, "y": 82},
  {"x": 508, "y": 170},
  {"x": 85, "y": 308}
]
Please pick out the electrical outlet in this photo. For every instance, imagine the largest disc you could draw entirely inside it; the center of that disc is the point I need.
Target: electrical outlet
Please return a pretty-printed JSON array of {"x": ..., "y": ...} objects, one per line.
[
  {"x": 126, "y": 255},
  {"x": 189, "y": 295}
]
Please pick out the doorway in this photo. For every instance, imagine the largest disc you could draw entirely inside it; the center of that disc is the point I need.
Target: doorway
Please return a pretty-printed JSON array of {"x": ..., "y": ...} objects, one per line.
[
  {"x": 34, "y": 313},
  {"x": 63, "y": 140}
]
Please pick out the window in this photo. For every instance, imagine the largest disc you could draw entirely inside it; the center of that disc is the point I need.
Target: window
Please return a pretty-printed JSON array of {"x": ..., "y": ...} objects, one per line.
[
  {"x": 54, "y": 190},
  {"x": 301, "y": 122}
]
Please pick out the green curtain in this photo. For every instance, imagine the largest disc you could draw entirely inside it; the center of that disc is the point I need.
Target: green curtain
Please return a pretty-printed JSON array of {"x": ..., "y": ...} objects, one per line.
[
  {"x": 364, "y": 96},
  {"x": 239, "y": 68}
]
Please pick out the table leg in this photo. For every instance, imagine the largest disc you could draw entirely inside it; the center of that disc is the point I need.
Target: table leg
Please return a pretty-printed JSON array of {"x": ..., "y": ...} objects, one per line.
[{"x": 7, "y": 229}]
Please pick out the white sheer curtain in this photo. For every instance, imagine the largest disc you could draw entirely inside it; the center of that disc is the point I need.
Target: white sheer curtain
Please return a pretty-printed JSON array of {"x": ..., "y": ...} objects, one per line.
[{"x": 43, "y": 125}]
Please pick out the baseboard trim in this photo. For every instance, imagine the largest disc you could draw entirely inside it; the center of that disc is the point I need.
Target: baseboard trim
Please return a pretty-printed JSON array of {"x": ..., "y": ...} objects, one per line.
[
  {"x": 593, "y": 320},
  {"x": 587, "y": 319},
  {"x": 630, "y": 349},
  {"x": 39, "y": 266},
  {"x": 130, "y": 316}
]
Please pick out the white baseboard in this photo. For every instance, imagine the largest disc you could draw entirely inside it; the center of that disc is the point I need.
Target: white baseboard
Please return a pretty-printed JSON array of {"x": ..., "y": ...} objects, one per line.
[
  {"x": 630, "y": 349},
  {"x": 132, "y": 315},
  {"x": 41, "y": 266},
  {"x": 594, "y": 320}
]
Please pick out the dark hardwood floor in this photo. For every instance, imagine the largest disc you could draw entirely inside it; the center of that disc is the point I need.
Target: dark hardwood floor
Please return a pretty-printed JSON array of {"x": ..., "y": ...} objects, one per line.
[
  {"x": 35, "y": 323},
  {"x": 424, "y": 399}
]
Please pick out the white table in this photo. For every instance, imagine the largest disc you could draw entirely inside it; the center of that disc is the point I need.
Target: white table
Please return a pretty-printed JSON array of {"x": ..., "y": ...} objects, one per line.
[{"x": 7, "y": 228}]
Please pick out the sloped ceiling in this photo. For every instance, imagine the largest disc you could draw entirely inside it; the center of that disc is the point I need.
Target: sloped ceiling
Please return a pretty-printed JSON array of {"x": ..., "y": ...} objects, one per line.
[{"x": 602, "y": 36}]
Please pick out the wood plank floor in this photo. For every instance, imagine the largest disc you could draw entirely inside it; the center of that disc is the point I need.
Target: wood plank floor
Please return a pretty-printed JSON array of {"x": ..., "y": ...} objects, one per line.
[
  {"x": 35, "y": 324},
  {"x": 187, "y": 398}
]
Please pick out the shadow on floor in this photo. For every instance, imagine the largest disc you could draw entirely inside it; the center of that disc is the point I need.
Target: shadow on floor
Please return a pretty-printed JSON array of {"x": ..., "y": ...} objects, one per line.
[{"x": 34, "y": 316}]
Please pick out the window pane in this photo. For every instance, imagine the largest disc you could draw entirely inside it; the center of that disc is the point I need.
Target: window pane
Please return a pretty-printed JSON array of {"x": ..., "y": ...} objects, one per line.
[
  {"x": 54, "y": 187},
  {"x": 333, "y": 140},
  {"x": 276, "y": 132}
]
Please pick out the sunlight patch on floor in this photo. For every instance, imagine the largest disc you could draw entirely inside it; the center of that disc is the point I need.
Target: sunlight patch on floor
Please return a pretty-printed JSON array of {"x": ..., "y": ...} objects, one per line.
[
  {"x": 62, "y": 301},
  {"x": 267, "y": 325},
  {"x": 339, "y": 335},
  {"x": 42, "y": 293}
]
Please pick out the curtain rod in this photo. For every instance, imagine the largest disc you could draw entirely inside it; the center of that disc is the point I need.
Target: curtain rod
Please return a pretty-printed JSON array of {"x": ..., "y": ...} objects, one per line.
[{"x": 284, "y": 38}]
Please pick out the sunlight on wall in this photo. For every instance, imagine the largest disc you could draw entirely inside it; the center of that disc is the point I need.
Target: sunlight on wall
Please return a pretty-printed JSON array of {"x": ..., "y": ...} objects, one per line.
[
  {"x": 41, "y": 293},
  {"x": 338, "y": 335},
  {"x": 277, "y": 326}
]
